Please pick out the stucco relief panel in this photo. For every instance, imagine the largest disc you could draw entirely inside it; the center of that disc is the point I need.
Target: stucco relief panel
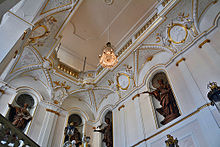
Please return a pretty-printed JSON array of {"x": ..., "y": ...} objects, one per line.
[
  {"x": 27, "y": 58},
  {"x": 177, "y": 30},
  {"x": 53, "y": 4},
  {"x": 44, "y": 33}
]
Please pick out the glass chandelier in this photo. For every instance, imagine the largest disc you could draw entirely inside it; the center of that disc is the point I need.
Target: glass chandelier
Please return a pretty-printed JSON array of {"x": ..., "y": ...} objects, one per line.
[{"x": 108, "y": 59}]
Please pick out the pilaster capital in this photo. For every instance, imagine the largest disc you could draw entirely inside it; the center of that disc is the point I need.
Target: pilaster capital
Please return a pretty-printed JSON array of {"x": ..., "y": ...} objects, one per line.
[{"x": 53, "y": 108}]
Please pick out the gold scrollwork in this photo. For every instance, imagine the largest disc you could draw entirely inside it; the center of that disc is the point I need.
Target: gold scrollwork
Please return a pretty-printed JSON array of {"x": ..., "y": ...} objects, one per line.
[
  {"x": 62, "y": 84},
  {"x": 118, "y": 83},
  {"x": 172, "y": 26},
  {"x": 33, "y": 39}
]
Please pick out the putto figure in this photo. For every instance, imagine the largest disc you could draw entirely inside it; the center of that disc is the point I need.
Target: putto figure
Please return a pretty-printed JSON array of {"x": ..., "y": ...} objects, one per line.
[
  {"x": 164, "y": 94},
  {"x": 19, "y": 116},
  {"x": 107, "y": 131}
]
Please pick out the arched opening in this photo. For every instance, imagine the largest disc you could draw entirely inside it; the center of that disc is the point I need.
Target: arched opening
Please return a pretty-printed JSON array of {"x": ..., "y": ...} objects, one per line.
[
  {"x": 73, "y": 131},
  {"x": 163, "y": 99},
  {"x": 21, "y": 111}
]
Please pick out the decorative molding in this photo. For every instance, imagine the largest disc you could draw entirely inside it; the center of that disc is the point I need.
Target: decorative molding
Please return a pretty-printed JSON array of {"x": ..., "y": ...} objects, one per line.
[
  {"x": 165, "y": 2},
  {"x": 179, "y": 121},
  {"x": 177, "y": 25},
  {"x": 21, "y": 18},
  {"x": 122, "y": 106},
  {"x": 178, "y": 62},
  {"x": 52, "y": 111},
  {"x": 204, "y": 42},
  {"x": 118, "y": 82},
  {"x": 146, "y": 26},
  {"x": 67, "y": 69}
]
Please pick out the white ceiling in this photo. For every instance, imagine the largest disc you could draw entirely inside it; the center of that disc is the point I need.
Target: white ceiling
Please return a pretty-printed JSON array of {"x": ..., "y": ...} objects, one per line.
[{"x": 87, "y": 31}]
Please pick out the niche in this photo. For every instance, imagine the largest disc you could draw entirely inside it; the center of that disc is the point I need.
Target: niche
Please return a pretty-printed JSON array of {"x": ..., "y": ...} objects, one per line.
[
  {"x": 21, "y": 119},
  {"x": 163, "y": 99},
  {"x": 73, "y": 131}
]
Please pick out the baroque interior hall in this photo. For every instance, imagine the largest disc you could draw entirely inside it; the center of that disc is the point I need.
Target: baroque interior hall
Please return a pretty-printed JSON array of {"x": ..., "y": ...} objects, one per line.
[{"x": 110, "y": 73}]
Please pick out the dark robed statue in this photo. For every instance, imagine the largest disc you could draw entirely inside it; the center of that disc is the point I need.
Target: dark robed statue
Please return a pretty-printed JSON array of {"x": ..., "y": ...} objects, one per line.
[
  {"x": 164, "y": 94},
  {"x": 107, "y": 131},
  {"x": 72, "y": 135},
  {"x": 19, "y": 116}
]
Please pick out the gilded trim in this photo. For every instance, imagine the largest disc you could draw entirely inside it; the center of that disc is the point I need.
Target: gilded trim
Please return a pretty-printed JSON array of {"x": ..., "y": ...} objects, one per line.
[
  {"x": 204, "y": 42},
  {"x": 118, "y": 84},
  {"x": 170, "y": 28},
  {"x": 52, "y": 8},
  {"x": 20, "y": 18},
  {"x": 178, "y": 62},
  {"x": 52, "y": 111},
  {"x": 179, "y": 121},
  {"x": 122, "y": 106}
]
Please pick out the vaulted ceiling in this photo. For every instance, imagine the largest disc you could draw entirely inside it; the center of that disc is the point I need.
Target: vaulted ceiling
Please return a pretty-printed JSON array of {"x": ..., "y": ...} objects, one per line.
[{"x": 87, "y": 31}]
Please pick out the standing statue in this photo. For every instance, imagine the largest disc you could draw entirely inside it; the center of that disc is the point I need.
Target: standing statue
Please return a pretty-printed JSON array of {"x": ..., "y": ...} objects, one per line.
[
  {"x": 107, "y": 131},
  {"x": 19, "y": 116},
  {"x": 72, "y": 136},
  {"x": 171, "y": 142},
  {"x": 164, "y": 94}
]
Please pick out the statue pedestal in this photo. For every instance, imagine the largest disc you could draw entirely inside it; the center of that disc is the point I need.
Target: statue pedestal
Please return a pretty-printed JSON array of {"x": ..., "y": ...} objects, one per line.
[{"x": 169, "y": 118}]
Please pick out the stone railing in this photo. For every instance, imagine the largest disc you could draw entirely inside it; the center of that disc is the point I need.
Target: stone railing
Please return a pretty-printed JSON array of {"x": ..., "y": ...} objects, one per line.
[{"x": 11, "y": 136}]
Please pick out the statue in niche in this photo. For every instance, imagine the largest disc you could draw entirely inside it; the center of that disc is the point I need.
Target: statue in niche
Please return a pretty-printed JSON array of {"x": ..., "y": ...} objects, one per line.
[
  {"x": 72, "y": 136},
  {"x": 107, "y": 131},
  {"x": 19, "y": 116},
  {"x": 164, "y": 94}
]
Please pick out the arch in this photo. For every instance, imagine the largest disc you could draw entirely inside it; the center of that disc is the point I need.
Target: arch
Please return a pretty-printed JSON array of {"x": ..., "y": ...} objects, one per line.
[
  {"x": 145, "y": 78},
  {"x": 165, "y": 105},
  {"x": 76, "y": 131},
  {"x": 80, "y": 112},
  {"x": 35, "y": 94},
  {"x": 103, "y": 112},
  {"x": 211, "y": 15}
]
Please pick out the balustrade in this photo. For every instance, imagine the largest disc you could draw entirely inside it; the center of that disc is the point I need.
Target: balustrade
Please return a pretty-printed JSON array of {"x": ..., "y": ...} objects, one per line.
[{"x": 11, "y": 136}]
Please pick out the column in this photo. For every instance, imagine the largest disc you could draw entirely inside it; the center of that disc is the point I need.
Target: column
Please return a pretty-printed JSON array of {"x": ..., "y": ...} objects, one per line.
[{"x": 49, "y": 124}]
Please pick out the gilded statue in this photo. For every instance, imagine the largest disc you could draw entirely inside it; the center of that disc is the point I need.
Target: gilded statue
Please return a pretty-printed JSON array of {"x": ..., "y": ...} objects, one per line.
[
  {"x": 19, "y": 116},
  {"x": 107, "y": 131},
  {"x": 171, "y": 142},
  {"x": 164, "y": 94}
]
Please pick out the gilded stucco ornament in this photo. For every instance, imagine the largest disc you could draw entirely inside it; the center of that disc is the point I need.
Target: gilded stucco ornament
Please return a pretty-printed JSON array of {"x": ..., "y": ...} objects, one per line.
[
  {"x": 123, "y": 81},
  {"x": 41, "y": 31},
  {"x": 177, "y": 33},
  {"x": 124, "y": 77},
  {"x": 47, "y": 64},
  {"x": 60, "y": 92}
]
